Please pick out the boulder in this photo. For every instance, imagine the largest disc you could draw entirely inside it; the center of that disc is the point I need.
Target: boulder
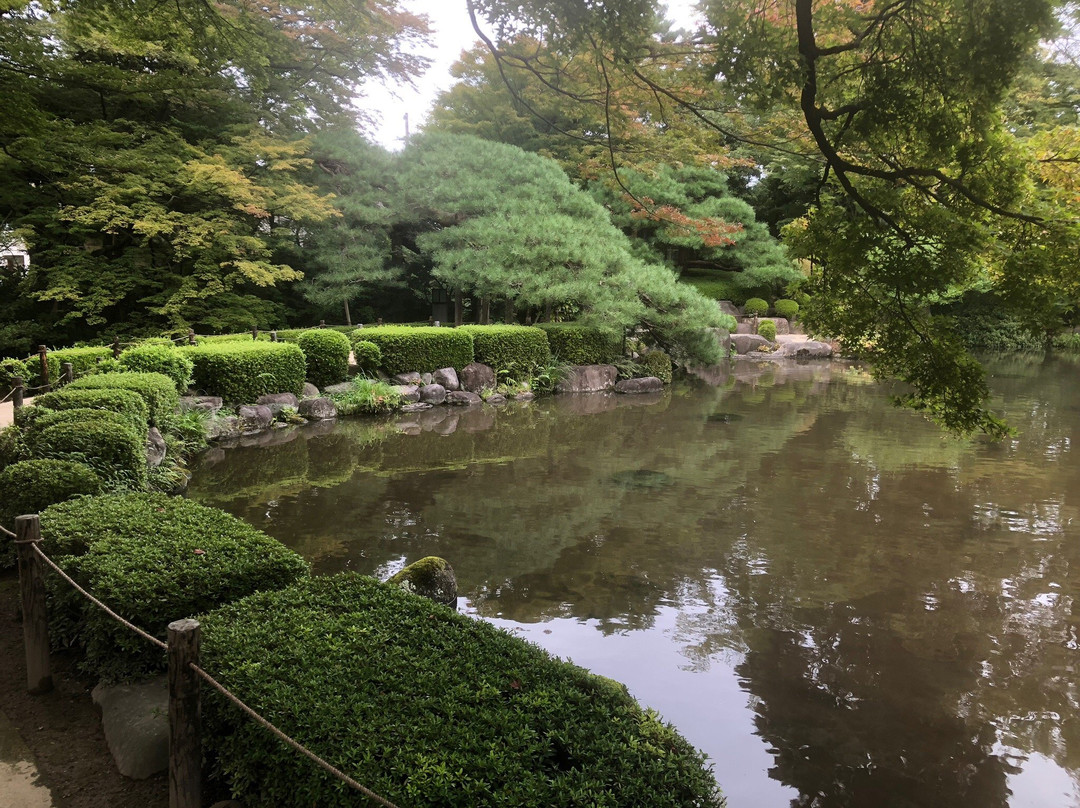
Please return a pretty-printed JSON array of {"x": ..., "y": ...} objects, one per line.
[
  {"x": 745, "y": 343},
  {"x": 496, "y": 399},
  {"x": 476, "y": 377},
  {"x": 524, "y": 395},
  {"x": 807, "y": 349},
  {"x": 727, "y": 307},
  {"x": 588, "y": 379},
  {"x": 318, "y": 409},
  {"x": 462, "y": 398},
  {"x": 155, "y": 448},
  {"x": 447, "y": 377},
  {"x": 337, "y": 389},
  {"x": 227, "y": 426},
  {"x": 408, "y": 392},
  {"x": 646, "y": 384},
  {"x": 432, "y": 578},
  {"x": 427, "y": 378},
  {"x": 408, "y": 378},
  {"x": 254, "y": 418},
  {"x": 136, "y": 723},
  {"x": 309, "y": 391},
  {"x": 279, "y": 400},
  {"x": 419, "y": 406},
  {"x": 433, "y": 394},
  {"x": 210, "y": 404}
]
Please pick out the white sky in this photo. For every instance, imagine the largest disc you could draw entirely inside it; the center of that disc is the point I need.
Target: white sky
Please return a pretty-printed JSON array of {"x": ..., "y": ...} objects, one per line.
[{"x": 451, "y": 34}]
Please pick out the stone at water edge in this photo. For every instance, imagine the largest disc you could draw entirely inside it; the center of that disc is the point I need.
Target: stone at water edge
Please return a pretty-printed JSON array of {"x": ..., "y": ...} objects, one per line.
[
  {"x": 135, "y": 719},
  {"x": 223, "y": 427},
  {"x": 279, "y": 399},
  {"x": 419, "y": 406},
  {"x": 408, "y": 378},
  {"x": 447, "y": 377},
  {"x": 408, "y": 392},
  {"x": 338, "y": 389},
  {"x": 496, "y": 399},
  {"x": 476, "y": 377},
  {"x": 588, "y": 379},
  {"x": 433, "y": 394},
  {"x": 255, "y": 418},
  {"x": 317, "y": 409},
  {"x": 210, "y": 404},
  {"x": 155, "y": 448},
  {"x": 463, "y": 398},
  {"x": 745, "y": 343},
  {"x": 427, "y": 378},
  {"x": 432, "y": 578},
  {"x": 646, "y": 384},
  {"x": 309, "y": 391},
  {"x": 810, "y": 349}
]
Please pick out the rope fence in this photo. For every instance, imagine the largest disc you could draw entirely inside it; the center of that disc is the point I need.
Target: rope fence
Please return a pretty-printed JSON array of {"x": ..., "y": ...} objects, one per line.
[{"x": 185, "y": 745}]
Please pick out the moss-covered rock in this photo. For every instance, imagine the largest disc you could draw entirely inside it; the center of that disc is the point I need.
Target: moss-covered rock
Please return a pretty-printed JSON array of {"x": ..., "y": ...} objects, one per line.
[{"x": 430, "y": 577}]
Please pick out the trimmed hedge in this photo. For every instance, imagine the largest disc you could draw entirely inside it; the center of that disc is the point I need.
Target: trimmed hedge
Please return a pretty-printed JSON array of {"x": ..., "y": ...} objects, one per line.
[
  {"x": 104, "y": 441},
  {"x": 755, "y": 306},
  {"x": 575, "y": 344},
  {"x": 78, "y": 415},
  {"x": 327, "y": 355},
  {"x": 163, "y": 359},
  {"x": 125, "y": 402},
  {"x": 788, "y": 309},
  {"x": 509, "y": 347},
  {"x": 154, "y": 559},
  {"x": 156, "y": 389},
  {"x": 367, "y": 355},
  {"x": 430, "y": 706},
  {"x": 33, "y": 485},
  {"x": 658, "y": 364},
  {"x": 83, "y": 361},
  {"x": 767, "y": 329},
  {"x": 240, "y": 372},
  {"x": 423, "y": 349}
]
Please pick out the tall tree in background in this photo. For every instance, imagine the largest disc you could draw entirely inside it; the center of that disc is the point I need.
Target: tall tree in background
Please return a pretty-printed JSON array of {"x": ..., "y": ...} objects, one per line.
[{"x": 153, "y": 163}]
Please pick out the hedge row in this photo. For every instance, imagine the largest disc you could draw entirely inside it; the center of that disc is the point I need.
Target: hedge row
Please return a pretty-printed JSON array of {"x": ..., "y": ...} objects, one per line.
[
  {"x": 326, "y": 353},
  {"x": 154, "y": 559},
  {"x": 157, "y": 390},
  {"x": 164, "y": 359},
  {"x": 405, "y": 348},
  {"x": 512, "y": 348},
  {"x": 435, "y": 708},
  {"x": 243, "y": 371},
  {"x": 575, "y": 344}
]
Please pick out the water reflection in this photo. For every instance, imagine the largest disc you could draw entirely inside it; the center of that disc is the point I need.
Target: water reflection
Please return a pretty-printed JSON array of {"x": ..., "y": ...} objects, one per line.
[{"x": 837, "y": 603}]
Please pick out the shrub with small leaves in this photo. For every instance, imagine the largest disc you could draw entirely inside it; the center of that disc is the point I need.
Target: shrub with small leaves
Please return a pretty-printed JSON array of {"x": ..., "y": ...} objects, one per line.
[
  {"x": 767, "y": 329},
  {"x": 575, "y": 344},
  {"x": 154, "y": 559},
  {"x": 516, "y": 348},
  {"x": 367, "y": 355},
  {"x": 327, "y": 355},
  {"x": 240, "y": 372},
  {"x": 756, "y": 307},
  {"x": 405, "y": 348},
  {"x": 658, "y": 364},
  {"x": 788, "y": 309},
  {"x": 104, "y": 441},
  {"x": 163, "y": 359},
  {"x": 125, "y": 402},
  {"x": 156, "y": 389},
  {"x": 83, "y": 361}
]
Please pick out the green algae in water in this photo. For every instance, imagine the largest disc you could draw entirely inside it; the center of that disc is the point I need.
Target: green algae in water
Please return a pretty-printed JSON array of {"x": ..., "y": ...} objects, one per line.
[{"x": 642, "y": 478}]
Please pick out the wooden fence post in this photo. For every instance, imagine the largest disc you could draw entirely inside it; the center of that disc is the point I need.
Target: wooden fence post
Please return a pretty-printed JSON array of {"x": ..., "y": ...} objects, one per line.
[
  {"x": 185, "y": 718},
  {"x": 19, "y": 386},
  {"x": 116, "y": 349},
  {"x": 322, "y": 323},
  {"x": 255, "y": 333},
  {"x": 43, "y": 355},
  {"x": 273, "y": 336},
  {"x": 191, "y": 336},
  {"x": 34, "y": 613},
  {"x": 67, "y": 373}
]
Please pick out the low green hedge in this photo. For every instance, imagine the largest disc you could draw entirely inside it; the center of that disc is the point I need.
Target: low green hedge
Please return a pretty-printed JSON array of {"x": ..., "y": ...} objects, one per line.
[
  {"x": 78, "y": 415},
  {"x": 428, "y": 707},
  {"x": 240, "y": 372},
  {"x": 154, "y": 559},
  {"x": 327, "y": 355},
  {"x": 514, "y": 348},
  {"x": 164, "y": 359},
  {"x": 367, "y": 355},
  {"x": 576, "y": 344},
  {"x": 156, "y": 389},
  {"x": 103, "y": 440},
  {"x": 126, "y": 402},
  {"x": 83, "y": 361},
  {"x": 422, "y": 349},
  {"x": 658, "y": 364},
  {"x": 33, "y": 485}
]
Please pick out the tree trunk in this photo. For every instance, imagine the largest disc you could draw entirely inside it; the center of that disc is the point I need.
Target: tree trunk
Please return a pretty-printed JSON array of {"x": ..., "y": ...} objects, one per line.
[
  {"x": 485, "y": 310},
  {"x": 457, "y": 307},
  {"x": 348, "y": 316},
  {"x": 508, "y": 312}
]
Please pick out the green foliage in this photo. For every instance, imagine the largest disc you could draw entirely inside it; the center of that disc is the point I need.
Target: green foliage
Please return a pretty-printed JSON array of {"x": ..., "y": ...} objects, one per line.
[
  {"x": 658, "y": 364},
  {"x": 422, "y": 349},
  {"x": 767, "y": 329},
  {"x": 156, "y": 389},
  {"x": 164, "y": 359},
  {"x": 13, "y": 446},
  {"x": 577, "y": 344},
  {"x": 326, "y": 353},
  {"x": 514, "y": 348},
  {"x": 154, "y": 559},
  {"x": 33, "y": 485},
  {"x": 368, "y": 355},
  {"x": 126, "y": 402},
  {"x": 47, "y": 418},
  {"x": 240, "y": 372},
  {"x": 103, "y": 440},
  {"x": 477, "y": 717},
  {"x": 11, "y": 369},
  {"x": 367, "y": 397},
  {"x": 788, "y": 309},
  {"x": 755, "y": 306},
  {"x": 83, "y": 361},
  {"x": 1067, "y": 343}
]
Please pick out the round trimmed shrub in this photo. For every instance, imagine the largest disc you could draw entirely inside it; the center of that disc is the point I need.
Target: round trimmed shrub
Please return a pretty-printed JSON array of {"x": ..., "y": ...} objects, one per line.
[
  {"x": 105, "y": 442},
  {"x": 430, "y": 706},
  {"x": 240, "y": 372},
  {"x": 327, "y": 355},
  {"x": 574, "y": 344},
  {"x": 756, "y": 307},
  {"x": 788, "y": 309},
  {"x": 156, "y": 389},
  {"x": 658, "y": 364},
  {"x": 163, "y": 359},
  {"x": 12, "y": 446},
  {"x": 10, "y": 369},
  {"x": 767, "y": 329},
  {"x": 79, "y": 415},
  {"x": 125, "y": 402},
  {"x": 154, "y": 559},
  {"x": 509, "y": 347},
  {"x": 422, "y": 349},
  {"x": 33, "y": 485},
  {"x": 367, "y": 355}
]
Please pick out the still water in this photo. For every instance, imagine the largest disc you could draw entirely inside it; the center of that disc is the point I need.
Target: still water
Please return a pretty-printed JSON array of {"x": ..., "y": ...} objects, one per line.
[{"x": 837, "y": 604}]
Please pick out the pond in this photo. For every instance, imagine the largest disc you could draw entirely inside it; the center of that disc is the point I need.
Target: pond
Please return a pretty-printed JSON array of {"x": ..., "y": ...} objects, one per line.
[{"x": 836, "y": 603}]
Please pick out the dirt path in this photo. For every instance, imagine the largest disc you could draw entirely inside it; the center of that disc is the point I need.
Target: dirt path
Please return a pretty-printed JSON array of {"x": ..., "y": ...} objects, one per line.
[{"x": 7, "y": 413}]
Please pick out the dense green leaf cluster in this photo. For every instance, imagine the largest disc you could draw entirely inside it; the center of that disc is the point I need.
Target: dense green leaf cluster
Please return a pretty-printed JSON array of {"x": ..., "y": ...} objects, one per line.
[
  {"x": 240, "y": 372},
  {"x": 422, "y": 349},
  {"x": 156, "y": 389},
  {"x": 163, "y": 359},
  {"x": 103, "y": 440},
  {"x": 126, "y": 402},
  {"x": 509, "y": 347},
  {"x": 756, "y": 307},
  {"x": 154, "y": 559},
  {"x": 581, "y": 345},
  {"x": 788, "y": 309},
  {"x": 326, "y": 353},
  {"x": 658, "y": 364},
  {"x": 431, "y": 707},
  {"x": 367, "y": 355},
  {"x": 83, "y": 361},
  {"x": 767, "y": 329}
]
